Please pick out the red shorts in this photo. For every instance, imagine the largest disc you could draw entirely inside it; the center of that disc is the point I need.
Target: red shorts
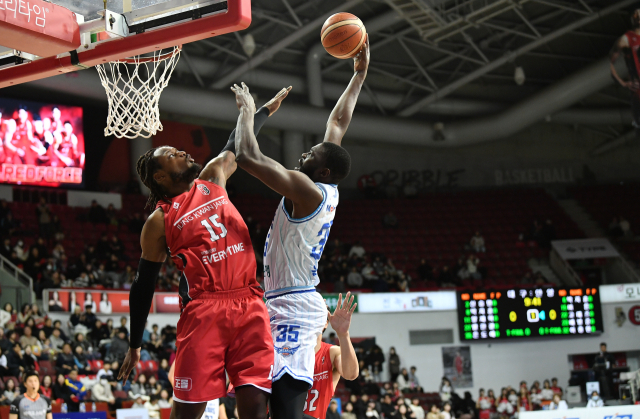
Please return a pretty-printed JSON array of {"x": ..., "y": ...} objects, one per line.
[{"x": 221, "y": 331}]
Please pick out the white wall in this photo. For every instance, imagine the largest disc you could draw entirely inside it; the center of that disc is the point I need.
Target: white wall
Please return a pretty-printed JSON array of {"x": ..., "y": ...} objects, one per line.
[{"x": 494, "y": 364}]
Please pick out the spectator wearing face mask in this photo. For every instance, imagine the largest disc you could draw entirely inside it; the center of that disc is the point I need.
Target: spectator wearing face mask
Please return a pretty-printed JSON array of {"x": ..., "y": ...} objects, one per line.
[
  {"x": 595, "y": 400},
  {"x": 101, "y": 392}
]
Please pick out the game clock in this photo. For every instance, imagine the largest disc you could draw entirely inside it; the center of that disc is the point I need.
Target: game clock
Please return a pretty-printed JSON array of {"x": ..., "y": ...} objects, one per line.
[{"x": 521, "y": 313}]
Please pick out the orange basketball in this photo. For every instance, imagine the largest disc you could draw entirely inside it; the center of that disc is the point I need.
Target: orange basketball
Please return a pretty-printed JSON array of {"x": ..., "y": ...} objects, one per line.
[{"x": 342, "y": 35}]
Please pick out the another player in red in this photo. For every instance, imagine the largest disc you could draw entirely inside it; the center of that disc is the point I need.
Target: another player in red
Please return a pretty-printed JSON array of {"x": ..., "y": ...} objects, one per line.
[
  {"x": 224, "y": 324},
  {"x": 332, "y": 362},
  {"x": 628, "y": 44}
]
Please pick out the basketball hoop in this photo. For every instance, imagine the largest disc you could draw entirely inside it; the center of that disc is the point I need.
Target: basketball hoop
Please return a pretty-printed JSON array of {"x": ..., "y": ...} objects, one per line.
[{"x": 133, "y": 87}]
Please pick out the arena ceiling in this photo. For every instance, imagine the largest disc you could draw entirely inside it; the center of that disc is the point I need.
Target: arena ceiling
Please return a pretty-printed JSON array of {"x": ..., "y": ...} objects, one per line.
[{"x": 433, "y": 51}]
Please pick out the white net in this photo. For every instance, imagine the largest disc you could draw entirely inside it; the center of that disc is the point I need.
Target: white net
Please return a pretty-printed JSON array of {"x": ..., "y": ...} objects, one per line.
[{"x": 133, "y": 87}]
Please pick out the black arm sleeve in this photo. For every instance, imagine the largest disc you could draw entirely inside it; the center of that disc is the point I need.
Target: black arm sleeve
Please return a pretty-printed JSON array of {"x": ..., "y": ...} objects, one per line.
[
  {"x": 140, "y": 299},
  {"x": 259, "y": 119}
]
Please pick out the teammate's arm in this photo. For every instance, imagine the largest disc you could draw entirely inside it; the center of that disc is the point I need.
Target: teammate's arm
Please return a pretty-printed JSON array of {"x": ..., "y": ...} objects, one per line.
[
  {"x": 292, "y": 184},
  {"x": 621, "y": 43},
  {"x": 345, "y": 362},
  {"x": 222, "y": 167},
  {"x": 343, "y": 111},
  {"x": 154, "y": 245},
  {"x": 14, "y": 409}
]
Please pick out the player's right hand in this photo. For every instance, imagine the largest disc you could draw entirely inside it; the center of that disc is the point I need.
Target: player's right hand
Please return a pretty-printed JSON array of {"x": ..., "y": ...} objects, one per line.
[
  {"x": 243, "y": 97},
  {"x": 130, "y": 361},
  {"x": 274, "y": 104},
  {"x": 361, "y": 60}
]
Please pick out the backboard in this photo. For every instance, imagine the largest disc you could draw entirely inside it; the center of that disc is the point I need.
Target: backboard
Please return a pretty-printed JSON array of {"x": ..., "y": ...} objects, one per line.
[{"x": 131, "y": 27}]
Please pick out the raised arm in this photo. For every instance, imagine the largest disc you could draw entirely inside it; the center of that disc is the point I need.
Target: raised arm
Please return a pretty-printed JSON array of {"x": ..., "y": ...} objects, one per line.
[
  {"x": 340, "y": 117},
  {"x": 294, "y": 185},
  {"x": 154, "y": 252},
  {"x": 222, "y": 167},
  {"x": 345, "y": 362}
]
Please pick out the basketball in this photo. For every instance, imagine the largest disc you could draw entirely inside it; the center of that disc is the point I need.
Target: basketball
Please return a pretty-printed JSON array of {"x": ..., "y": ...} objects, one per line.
[{"x": 342, "y": 35}]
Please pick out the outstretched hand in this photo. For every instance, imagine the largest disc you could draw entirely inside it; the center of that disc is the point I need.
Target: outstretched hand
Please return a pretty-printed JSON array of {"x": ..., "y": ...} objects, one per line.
[
  {"x": 243, "y": 97},
  {"x": 274, "y": 104},
  {"x": 130, "y": 361},
  {"x": 361, "y": 60},
  {"x": 341, "y": 318}
]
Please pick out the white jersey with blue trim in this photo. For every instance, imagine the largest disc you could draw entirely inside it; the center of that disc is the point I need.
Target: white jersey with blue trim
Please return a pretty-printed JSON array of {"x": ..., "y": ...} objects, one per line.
[{"x": 294, "y": 246}]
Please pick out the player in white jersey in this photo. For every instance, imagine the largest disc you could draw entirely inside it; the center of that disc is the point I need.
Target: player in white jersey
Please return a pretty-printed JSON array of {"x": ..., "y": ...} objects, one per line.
[{"x": 297, "y": 238}]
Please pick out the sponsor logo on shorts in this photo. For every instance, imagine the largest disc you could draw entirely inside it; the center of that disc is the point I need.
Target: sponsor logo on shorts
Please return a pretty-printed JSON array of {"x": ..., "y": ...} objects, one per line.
[
  {"x": 287, "y": 350},
  {"x": 182, "y": 384},
  {"x": 204, "y": 189}
]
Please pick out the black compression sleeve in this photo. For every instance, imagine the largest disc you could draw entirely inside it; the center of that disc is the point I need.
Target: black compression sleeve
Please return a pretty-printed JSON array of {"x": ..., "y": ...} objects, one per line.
[
  {"x": 259, "y": 119},
  {"x": 140, "y": 298}
]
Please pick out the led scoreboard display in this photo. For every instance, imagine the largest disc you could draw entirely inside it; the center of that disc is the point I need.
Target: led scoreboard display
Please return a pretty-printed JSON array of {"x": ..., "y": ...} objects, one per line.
[{"x": 528, "y": 313}]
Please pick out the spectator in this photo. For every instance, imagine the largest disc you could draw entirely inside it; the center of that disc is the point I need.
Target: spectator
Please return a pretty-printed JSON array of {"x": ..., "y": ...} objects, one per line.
[
  {"x": 558, "y": 403},
  {"x": 112, "y": 215},
  {"x": 445, "y": 389},
  {"x": 595, "y": 400},
  {"x": 425, "y": 271},
  {"x": 460, "y": 269},
  {"x": 625, "y": 227},
  {"x": 369, "y": 273},
  {"x": 394, "y": 365},
  {"x": 404, "y": 381},
  {"x": 503, "y": 406},
  {"x": 56, "y": 340},
  {"x": 21, "y": 253},
  {"x": 403, "y": 413},
  {"x": 165, "y": 402},
  {"x": 27, "y": 339},
  {"x": 97, "y": 214},
  {"x": 106, "y": 372},
  {"x": 10, "y": 391},
  {"x": 154, "y": 387},
  {"x": 554, "y": 381},
  {"x": 467, "y": 406},
  {"x": 375, "y": 360},
  {"x": 123, "y": 325},
  {"x": 390, "y": 220},
  {"x": 414, "y": 383},
  {"x": 472, "y": 267},
  {"x": 101, "y": 392},
  {"x": 47, "y": 386},
  {"x": 15, "y": 360},
  {"x": 332, "y": 411},
  {"x": 78, "y": 390},
  {"x": 99, "y": 332},
  {"x": 44, "y": 218},
  {"x": 445, "y": 278},
  {"x": 434, "y": 412},
  {"x": 105, "y": 304},
  {"x": 60, "y": 391},
  {"x": 89, "y": 318},
  {"x": 417, "y": 409},
  {"x": 357, "y": 250},
  {"x": 546, "y": 393},
  {"x": 9, "y": 226},
  {"x": 513, "y": 399},
  {"x": 524, "y": 400},
  {"x": 140, "y": 387},
  {"x": 447, "y": 413},
  {"x": 339, "y": 286},
  {"x": 152, "y": 407},
  {"x": 347, "y": 412},
  {"x": 81, "y": 362},
  {"x": 354, "y": 279},
  {"x": 403, "y": 283},
  {"x": 387, "y": 408},
  {"x": 119, "y": 346},
  {"x": 477, "y": 243},
  {"x": 483, "y": 405},
  {"x": 65, "y": 362},
  {"x": 5, "y": 249},
  {"x": 4, "y": 372},
  {"x": 139, "y": 402},
  {"x": 163, "y": 372},
  {"x": 81, "y": 341}
]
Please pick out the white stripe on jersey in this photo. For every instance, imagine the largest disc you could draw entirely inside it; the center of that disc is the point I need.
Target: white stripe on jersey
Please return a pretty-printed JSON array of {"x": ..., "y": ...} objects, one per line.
[{"x": 294, "y": 246}]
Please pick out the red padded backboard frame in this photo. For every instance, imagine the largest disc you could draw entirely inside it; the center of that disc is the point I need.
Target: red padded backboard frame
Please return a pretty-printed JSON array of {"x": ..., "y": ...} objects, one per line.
[{"x": 238, "y": 17}]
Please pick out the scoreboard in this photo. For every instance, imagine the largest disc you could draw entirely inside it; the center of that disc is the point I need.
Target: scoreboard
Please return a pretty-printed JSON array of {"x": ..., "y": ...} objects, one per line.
[{"x": 521, "y": 313}]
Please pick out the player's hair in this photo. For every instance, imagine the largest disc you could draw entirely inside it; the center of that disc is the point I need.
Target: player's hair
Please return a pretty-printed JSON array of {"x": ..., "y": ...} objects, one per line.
[
  {"x": 67, "y": 122},
  {"x": 337, "y": 160},
  {"x": 30, "y": 373},
  {"x": 146, "y": 167}
]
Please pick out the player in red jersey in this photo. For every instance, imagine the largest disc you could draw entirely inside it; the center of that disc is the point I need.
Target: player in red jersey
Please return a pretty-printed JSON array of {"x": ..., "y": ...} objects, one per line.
[
  {"x": 332, "y": 362},
  {"x": 628, "y": 44},
  {"x": 224, "y": 324}
]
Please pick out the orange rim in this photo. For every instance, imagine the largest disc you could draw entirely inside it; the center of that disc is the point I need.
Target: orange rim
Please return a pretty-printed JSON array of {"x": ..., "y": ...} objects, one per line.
[{"x": 154, "y": 58}]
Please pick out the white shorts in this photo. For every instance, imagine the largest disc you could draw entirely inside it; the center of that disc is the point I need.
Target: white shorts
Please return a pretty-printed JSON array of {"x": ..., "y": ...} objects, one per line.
[{"x": 297, "y": 315}]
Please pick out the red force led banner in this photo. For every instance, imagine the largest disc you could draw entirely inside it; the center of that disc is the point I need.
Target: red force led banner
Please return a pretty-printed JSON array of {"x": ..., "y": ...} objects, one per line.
[
  {"x": 41, "y": 144},
  {"x": 104, "y": 302}
]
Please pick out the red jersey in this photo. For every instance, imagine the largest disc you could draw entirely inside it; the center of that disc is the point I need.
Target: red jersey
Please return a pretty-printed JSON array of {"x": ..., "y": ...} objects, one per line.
[
  {"x": 208, "y": 241},
  {"x": 633, "y": 63},
  {"x": 319, "y": 396},
  {"x": 66, "y": 147}
]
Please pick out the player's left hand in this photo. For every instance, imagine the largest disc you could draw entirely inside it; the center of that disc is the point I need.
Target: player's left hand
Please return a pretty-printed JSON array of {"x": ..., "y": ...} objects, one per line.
[
  {"x": 243, "y": 97},
  {"x": 274, "y": 104},
  {"x": 130, "y": 361},
  {"x": 361, "y": 60},
  {"x": 341, "y": 318}
]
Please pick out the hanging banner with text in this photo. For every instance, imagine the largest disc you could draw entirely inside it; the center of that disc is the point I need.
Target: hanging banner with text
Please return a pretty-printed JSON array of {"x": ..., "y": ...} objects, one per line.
[
  {"x": 621, "y": 293},
  {"x": 105, "y": 302},
  {"x": 399, "y": 302},
  {"x": 585, "y": 249}
]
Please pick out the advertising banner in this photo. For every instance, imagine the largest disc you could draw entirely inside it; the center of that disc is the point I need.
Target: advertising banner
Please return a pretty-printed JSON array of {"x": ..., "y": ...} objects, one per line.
[
  {"x": 607, "y": 412},
  {"x": 80, "y": 415},
  {"x": 585, "y": 249},
  {"x": 399, "y": 302},
  {"x": 456, "y": 364},
  {"x": 621, "y": 293},
  {"x": 105, "y": 302}
]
